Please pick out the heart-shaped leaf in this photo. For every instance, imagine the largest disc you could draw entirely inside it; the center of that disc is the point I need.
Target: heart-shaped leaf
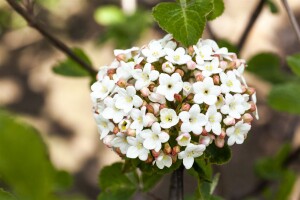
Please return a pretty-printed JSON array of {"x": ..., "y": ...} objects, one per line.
[{"x": 185, "y": 19}]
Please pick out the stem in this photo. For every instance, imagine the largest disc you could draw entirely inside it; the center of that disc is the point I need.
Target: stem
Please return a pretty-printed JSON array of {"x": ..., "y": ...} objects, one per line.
[
  {"x": 250, "y": 24},
  {"x": 292, "y": 18},
  {"x": 32, "y": 22},
  {"x": 176, "y": 185}
]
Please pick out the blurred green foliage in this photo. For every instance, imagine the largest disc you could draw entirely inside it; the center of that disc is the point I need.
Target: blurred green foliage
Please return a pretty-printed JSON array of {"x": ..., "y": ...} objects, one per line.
[{"x": 124, "y": 30}]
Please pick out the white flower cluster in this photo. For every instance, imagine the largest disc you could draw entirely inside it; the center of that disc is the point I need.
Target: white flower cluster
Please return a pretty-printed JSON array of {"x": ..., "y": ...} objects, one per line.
[{"x": 163, "y": 102}]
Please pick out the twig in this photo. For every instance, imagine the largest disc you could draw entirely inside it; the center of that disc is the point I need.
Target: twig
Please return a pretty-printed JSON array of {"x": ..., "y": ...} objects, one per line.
[
  {"x": 292, "y": 18},
  {"x": 176, "y": 185},
  {"x": 32, "y": 22},
  {"x": 250, "y": 24}
]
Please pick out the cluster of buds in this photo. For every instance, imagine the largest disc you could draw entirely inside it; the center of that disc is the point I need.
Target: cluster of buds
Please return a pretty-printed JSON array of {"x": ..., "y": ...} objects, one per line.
[{"x": 164, "y": 103}]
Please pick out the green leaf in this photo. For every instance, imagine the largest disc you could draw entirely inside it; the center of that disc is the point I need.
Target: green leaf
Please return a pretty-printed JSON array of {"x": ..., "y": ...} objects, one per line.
[
  {"x": 267, "y": 67},
  {"x": 185, "y": 19},
  {"x": 24, "y": 161},
  {"x": 122, "y": 193},
  {"x": 108, "y": 15},
  {"x": 273, "y": 7},
  {"x": 294, "y": 63},
  {"x": 285, "y": 98},
  {"x": 271, "y": 168},
  {"x": 214, "y": 183},
  {"x": 150, "y": 180},
  {"x": 63, "y": 180},
  {"x": 217, "y": 155},
  {"x": 286, "y": 185},
  {"x": 219, "y": 8},
  {"x": 6, "y": 196},
  {"x": 70, "y": 68}
]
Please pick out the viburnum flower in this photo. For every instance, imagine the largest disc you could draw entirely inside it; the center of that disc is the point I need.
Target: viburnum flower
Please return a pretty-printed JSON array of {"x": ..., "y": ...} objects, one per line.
[
  {"x": 191, "y": 152},
  {"x": 169, "y": 85},
  {"x": 164, "y": 104},
  {"x": 193, "y": 120},
  {"x": 206, "y": 91},
  {"x": 127, "y": 99},
  {"x": 154, "y": 137},
  {"x": 237, "y": 133}
]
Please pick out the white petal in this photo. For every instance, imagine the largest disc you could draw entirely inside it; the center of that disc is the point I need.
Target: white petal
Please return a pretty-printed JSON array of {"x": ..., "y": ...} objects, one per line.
[
  {"x": 164, "y": 137},
  {"x": 132, "y": 152},
  {"x": 184, "y": 116},
  {"x": 188, "y": 162}
]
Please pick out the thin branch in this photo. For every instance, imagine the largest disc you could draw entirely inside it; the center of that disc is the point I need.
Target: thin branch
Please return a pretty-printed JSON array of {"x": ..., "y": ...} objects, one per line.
[
  {"x": 292, "y": 18},
  {"x": 250, "y": 24},
  {"x": 32, "y": 22},
  {"x": 176, "y": 185}
]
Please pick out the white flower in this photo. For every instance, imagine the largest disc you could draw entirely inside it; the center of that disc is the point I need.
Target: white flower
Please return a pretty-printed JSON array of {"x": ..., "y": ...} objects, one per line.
[
  {"x": 154, "y": 137},
  {"x": 191, "y": 151},
  {"x": 220, "y": 101},
  {"x": 101, "y": 89},
  {"x": 127, "y": 99},
  {"x": 230, "y": 83},
  {"x": 138, "y": 118},
  {"x": 237, "y": 133},
  {"x": 223, "y": 53},
  {"x": 168, "y": 67},
  {"x": 111, "y": 111},
  {"x": 183, "y": 139},
  {"x": 153, "y": 52},
  {"x": 107, "y": 140},
  {"x": 206, "y": 91},
  {"x": 178, "y": 56},
  {"x": 208, "y": 42},
  {"x": 214, "y": 119},
  {"x": 168, "y": 118},
  {"x": 136, "y": 149},
  {"x": 169, "y": 85},
  {"x": 206, "y": 140},
  {"x": 127, "y": 53},
  {"x": 102, "y": 73},
  {"x": 124, "y": 125},
  {"x": 210, "y": 68},
  {"x": 163, "y": 160},
  {"x": 157, "y": 98},
  {"x": 187, "y": 88},
  {"x": 124, "y": 71},
  {"x": 145, "y": 76},
  {"x": 193, "y": 120},
  {"x": 104, "y": 126},
  {"x": 234, "y": 106},
  {"x": 120, "y": 141},
  {"x": 203, "y": 53}
]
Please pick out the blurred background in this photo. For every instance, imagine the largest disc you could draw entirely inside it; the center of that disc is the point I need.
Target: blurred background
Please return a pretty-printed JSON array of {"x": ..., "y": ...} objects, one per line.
[{"x": 60, "y": 108}]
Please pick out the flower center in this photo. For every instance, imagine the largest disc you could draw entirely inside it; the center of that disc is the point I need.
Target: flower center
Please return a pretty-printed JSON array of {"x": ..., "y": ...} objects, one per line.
[
  {"x": 170, "y": 86},
  {"x": 169, "y": 118},
  {"x": 209, "y": 67},
  {"x": 211, "y": 119},
  {"x": 229, "y": 83},
  {"x": 155, "y": 53},
  {"x": 177, "y": 58}
]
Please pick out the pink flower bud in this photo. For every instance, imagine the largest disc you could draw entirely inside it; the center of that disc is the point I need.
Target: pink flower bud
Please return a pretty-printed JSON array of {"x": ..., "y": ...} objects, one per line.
[
  {"x": 252, "y": 106},
  {"x": 155, "y": 107},
  {"x": 223, "y": 64},
  {"x": 131, "y": 132},
  {"x": 150, "y": 109},
  {"x": 204, "y": 132},
  {"x": 206, "y": 140},
  {"x": 149, "y": 119},
  {"x": 250, "y": 90},
  {"x": 149, "y": 159},
  {"x": 199, "y": 77},
  {"x": 229, "y": 121},
  {"x": 216, "y": 79},
  {"x": 138, "y": 66},
  {"x": 244, "y": 88},
  {"x": 190, "y": 97},
  {"x": 121, "y": 57},
  {"x": 145, "y": 92},
  {"x": 151, "y": 87},
  {"x": 167, "y": 148},
  {"x": 191, "y": 50},
  {"x": 219, "y": 142},
  {"x": 155, "y": 154},
  {"x": 191, "y": 65},
  {"x": 185, "y": 107},
  {"x": 116, "y": 130},
  {"x": 247, "y": 117},
  {"x": 175, "y": 150},
  {"x": 180, "y": 72},
  {"x": 178, "y": 97},
  {"x": 162, "y": 106},
  {"x": 223, "y": 134},
  {"x": 121, "y": 83}
]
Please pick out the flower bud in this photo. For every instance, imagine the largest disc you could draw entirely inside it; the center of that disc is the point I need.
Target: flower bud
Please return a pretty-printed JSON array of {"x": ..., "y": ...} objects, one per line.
[
  {"x": 252, "y": 106},
  {"x": 223, "y": 134},
  {"x": 144, "y": 103},
  {"x": 150, "y": 109},
  {"x": 204, "y": 132},
  {"x": 174, "y": 159},
  {"x": 191, "y": 50},
  {"x": 116, "y": 130},
  {"x": 121, "y": 57},
  {"x": 138, "y": 66},
  {"x": 190, "y": 97},
  {"x": 223, "y": 64},
  {"x": 206, "y": 140},
  {"x": 121, "y": 83},
  {"x": 178, "y": 97},
  {"x": 231, "y": 65},
  {"x": 167, "y": 148},
  {"x": 145, "y": 92},
  {"x": 250, "y": 90},
  {"x": 111, "y": 71},
  {"x": 151, "y": 87},
  {"x": 149, "y": 119},
  {"x": 229, "y": 121},
  {"x": 199, "y": 77},
  {"x": 149, "y": 159},
  {"x": 175, "y": 150},
  {"x": 131, "y": 132},
  {"x": 155, "y": 154},
  {"x": 219, "y": 142},
  {"x": 247, "y": 118},
  {"x": 216, "y": 79},
  {"x": 244, "y": 89},
  {"x": 185, "y": 107},
  {"x": 180, "y": 72},
  {"x": 168, "y": 67},
  {"x": 191, "y": 65},
  {"x": 155, "y": 107},
  {"x": 162, "y": 106}
]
